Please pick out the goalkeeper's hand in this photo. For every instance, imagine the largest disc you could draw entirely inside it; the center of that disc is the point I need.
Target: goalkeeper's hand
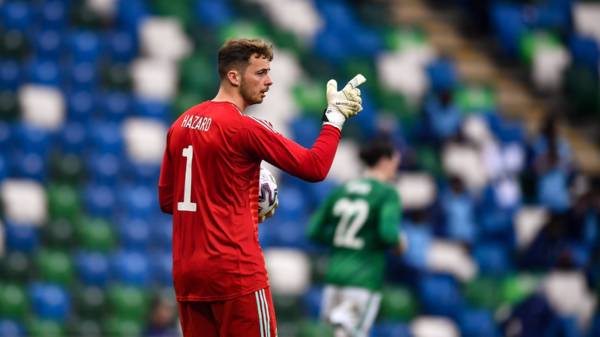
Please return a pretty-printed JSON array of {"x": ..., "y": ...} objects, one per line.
[
  {"x": 269, "y": 213},
  {"x": 343, "y": 104}
]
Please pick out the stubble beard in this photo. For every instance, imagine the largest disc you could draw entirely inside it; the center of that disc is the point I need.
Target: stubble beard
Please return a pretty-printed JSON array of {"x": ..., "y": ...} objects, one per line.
[{"x": 247, "y": 95}]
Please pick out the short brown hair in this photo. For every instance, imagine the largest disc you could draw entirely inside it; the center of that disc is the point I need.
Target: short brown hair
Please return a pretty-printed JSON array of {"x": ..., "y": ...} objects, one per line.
[{"x": 237, "y": 53}]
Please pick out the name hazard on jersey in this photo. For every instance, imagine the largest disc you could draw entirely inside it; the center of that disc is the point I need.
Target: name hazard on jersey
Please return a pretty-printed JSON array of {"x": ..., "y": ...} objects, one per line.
[{"x": 196, "y": 122}]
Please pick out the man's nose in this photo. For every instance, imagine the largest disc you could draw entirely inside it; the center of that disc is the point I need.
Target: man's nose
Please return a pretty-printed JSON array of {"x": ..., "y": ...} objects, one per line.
[{"x": 269, "y": 81}]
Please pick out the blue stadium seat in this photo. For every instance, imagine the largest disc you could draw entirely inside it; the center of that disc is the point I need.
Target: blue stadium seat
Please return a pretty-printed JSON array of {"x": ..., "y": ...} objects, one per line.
[
  {"x": 312, "y": 302},
  {"x": 442, "y": 121},
  {"x": 81, "y": 105},
  {"x": 564, "y": 327},
  {"x": 30, "y": 138},
  {"x": 23, "y": 238},
  {"x": 30, "y": 165},
  {"x": 107, "y": 137},
  {"x": 131, "y": 268},
  {"x": 6, "y": 134},
  {"x": 477, "y": 323},
  {"x": 100, "y": 200},
  {"x": 336, "y": 14},
  {"x": 460, "y": 221},
  {"x": 10, "y": 328},
  {"x": 53, "y": 14},
  {"x": 365, "y": 123},
  {"x": 152, "y": 108},
  {"x": 122, "y": 46},
  {"x": 553, "y": 189},
  {"x": 11, "y": 74},
  {"x": 4, "y": 168},
  {"x": 419, "y": 238},
  {"x": 130, "y": 14},
  {"x": 366, "y": 43},
  {"x": 585, "y": 51},
  {"x": 73, "y": 138},
  {"x": 48, "y": 44},
  {"x": 115, "y": 106},
  {"x": 49, "y": 301},
  {"x": 83, "y": 76},
  {"x": 162, "y": 268},
  {"x": 331, "y": 46},
  {"x": 104, "y": 168},
  {"x": 44, "y": 71},
  {"x": 294, "y": 206},
  {"x": 492, "y": 259},
  {"x": 17, "y": 15},
  {"x": 161, "y": 232},
  {"x": 213, "y": 14},
  {"x": 143, "y": 173},
  {"x": 134, "y": 234},
  {"x": 390, "y": 329},
  {"x": 305, "y": 130},
  {"x": 320, "y": 191},
  {"x": 92, "y": 268},
  {"x": 289, "y": 232},
  {"x": 85, "y": 46},
  {"x": 139, "y": 201},
  {"x": 509, "y": 26},
  {"x": 440, "y": 295},
  {"x": 442, "y": 75}
]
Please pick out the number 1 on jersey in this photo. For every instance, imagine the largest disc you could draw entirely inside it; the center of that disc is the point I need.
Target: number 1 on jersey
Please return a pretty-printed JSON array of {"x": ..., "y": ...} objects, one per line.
[{"x": 187, "y": 204}]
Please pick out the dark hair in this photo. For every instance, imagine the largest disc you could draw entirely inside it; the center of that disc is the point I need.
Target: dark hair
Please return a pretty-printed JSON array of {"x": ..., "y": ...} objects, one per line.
[
  {"x": 379, "y": 147},
  {"x": 237, "y": 53}
]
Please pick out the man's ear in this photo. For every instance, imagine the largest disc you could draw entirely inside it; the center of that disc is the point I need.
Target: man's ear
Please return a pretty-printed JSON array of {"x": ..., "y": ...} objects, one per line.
[{"x": 234, "y": 77}]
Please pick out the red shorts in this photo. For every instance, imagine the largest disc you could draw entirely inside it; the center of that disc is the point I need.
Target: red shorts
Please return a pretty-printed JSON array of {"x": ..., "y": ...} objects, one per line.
[{"x": 250, "y": 315}]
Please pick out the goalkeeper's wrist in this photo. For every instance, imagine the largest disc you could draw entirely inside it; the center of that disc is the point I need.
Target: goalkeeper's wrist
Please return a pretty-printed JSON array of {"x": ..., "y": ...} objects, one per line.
[{"x": 332, "y": 116}]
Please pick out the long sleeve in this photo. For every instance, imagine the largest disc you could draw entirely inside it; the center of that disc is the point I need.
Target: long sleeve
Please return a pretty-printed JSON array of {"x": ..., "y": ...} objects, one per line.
[
  {"x": 261, "y": 141},
  {"x": 166, "y": 182}
]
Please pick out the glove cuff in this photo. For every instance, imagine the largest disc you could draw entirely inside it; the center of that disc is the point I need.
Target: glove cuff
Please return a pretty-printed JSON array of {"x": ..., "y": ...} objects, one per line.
[{"x": 332, "y": 116}]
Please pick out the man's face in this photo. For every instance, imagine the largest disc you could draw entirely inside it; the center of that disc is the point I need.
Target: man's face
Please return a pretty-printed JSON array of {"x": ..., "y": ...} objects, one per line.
[
  {"x": 255, "y": 80},
  {"x": 391, "y": 166}
]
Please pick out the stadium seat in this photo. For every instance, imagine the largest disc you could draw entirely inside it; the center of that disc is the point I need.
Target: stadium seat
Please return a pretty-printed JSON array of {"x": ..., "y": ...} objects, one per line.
[
  {"x": 154, "y": 78},
  {"x": 289, "y": 271},
  {"x": 48, "y": 44},
  {"x": 144, "y": 139},
  {"x": 492, "y": 259},
  {"x": 11, "y": 328},
  {"x": 95, "y": 234},
  {"x": 4, "y": 168},
  {"x": 63, "y": 202},
  {"x": 397, "y": 304},
  {"x": 314, "y": 328},
  {"x": 54, "y": 267},
  {"x": 312, "y": 302},
  {"x": 14, "y": 44},
  {"x": 13, "y": 302},
  {"x": 149, "y": 108},
  {"x": 134, "y": 234},
  {"x": 15, "y": 266},
  {"x": 22, "y": 238},
  {"x": 11, "y": 74},
  {"x": 442, "y": 75},
  {"x": 107, "y": 137},
  {"x": 127, "y": 303},
  {"x": 84, "y": 46},
  {"x": 122, "y": 46},
  {"x": 162, "y": 233},
  {"x": 85, "y": 327},
  {"x": 92, "y": 268},
  {"x": 440, "y": 295},
  {"x": 81, "y": 104},
  {"x": 433, "y": 326},
  {"x": 73, "y": 138},
  {"x": 37, "y": 327},
  {"x": 515, "y": 288},
  {"x": 91, "y": 302},
  {"x": 104, "y": 168},
  {"x": 100, "y": 200},
  {"x": 58, "y": 233},
  {"x": 44, "y": 72},
  {"x": 42, "y": 106},
  {"x": 483, "y": 293},
  {"x": 66, "y": 168},
  {"x": 391, "y": 329},
  {"x": 15, "y": 193},
  {"x": 49, "y": 301},
  {"x": 29, "y": 165},
  {"x": 476, "y": 323},
  {"x": 53, "y": 14},
  {"x": 83, "y": 76},
  {"x": 162, "y": 265},
  {"x": 213, "y": 14},
  {"x": 17, "y": 16},
  {"x": 119, "y": 327},
  {"x": 116, "y": 106},
  {"x": 9, "y": 106},
  {"x": 131, "y": 268},
  {"x": 140, "y": 201},
  {"x": 115, "y": 76}
]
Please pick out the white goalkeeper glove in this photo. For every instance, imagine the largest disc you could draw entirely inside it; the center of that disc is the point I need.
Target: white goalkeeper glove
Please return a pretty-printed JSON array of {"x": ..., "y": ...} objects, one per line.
[{"x": 343, "y": 104}]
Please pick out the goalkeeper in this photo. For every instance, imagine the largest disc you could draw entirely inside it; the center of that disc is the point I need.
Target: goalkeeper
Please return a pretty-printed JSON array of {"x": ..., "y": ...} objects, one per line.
[
  {"x": 209, "y": 182},
  {"x": 359, "y": 221}
]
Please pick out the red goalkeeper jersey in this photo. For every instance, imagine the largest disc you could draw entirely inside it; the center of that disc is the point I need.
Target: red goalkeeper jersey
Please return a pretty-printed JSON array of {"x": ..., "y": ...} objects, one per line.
[{"x": 209, "y": 182}]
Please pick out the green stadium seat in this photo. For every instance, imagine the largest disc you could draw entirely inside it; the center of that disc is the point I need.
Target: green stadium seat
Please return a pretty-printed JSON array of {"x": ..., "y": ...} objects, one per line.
[
  {"x": 44, "y": 328},
  {"x": 13, "y": 301},
  {"x": 516, "y": 287},
  {"x": 90, "y": 302},
  {"x": 180, "y": 10},
  {"x": 84, "y": 327},
  {"x": 116, "y": 77},
  {"x": 82, "y": 15},
  {"x": 67, "y": 168},
  {"x": 402, "y": 39},
  {"x": 63, "y": 202},
  {"x": 397, "y": 304},
  {"x": 119, "y": 327},
  {"x": 186, "y": 100},
  {"x": 15, "y": 266},
  {"x": 95, "y": 234},
  {"x": 128, "y": 302},
  {"x": 287, "y": 307},
  {"x": 429, "y": 160},
  {"x": 54, "y": 266},
  {"x": 533, "y": 41},
  {"x": 312, "y": 328},
  {"x": 474, "y": 99},
  {"x": 204, "y": 85},
  {"x": 247, "y": 29},
  {"x": 310, "y": 97},
  {"x": 58, "y": 234},
  {"x": 9, "y": 106},
  {"x": 13, "y": 44},
  {"x": 483, "y": 293}
]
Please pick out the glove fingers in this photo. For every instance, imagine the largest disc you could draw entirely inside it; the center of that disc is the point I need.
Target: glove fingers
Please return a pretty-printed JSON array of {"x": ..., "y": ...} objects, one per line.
[
  {"x": 356, "y": 81},
  {"x": 331, "y": 87}
]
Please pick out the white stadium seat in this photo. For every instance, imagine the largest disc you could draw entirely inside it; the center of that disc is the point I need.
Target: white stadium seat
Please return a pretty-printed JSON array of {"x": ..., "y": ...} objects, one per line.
[
  {"x": 417, "y": 190},
  {"x": 42, "y": 106},
  {"x": 289, "y": 271},
  {"x": 164, "y": 38},
  {"x": 430, "y": 326},
  {"x": 450, "y": 257},
  {"x": 24, "y": 202},
  {"x": 144, "y": 139},
  {"x": 528, "y": 222},
  {"x": 154, "y": 78}
]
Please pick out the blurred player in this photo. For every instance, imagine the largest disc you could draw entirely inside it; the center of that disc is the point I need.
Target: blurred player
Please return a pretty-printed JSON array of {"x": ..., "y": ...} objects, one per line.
[
  {"x": 360, "y": 221},
  {"x": 209, "y": 182}
]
